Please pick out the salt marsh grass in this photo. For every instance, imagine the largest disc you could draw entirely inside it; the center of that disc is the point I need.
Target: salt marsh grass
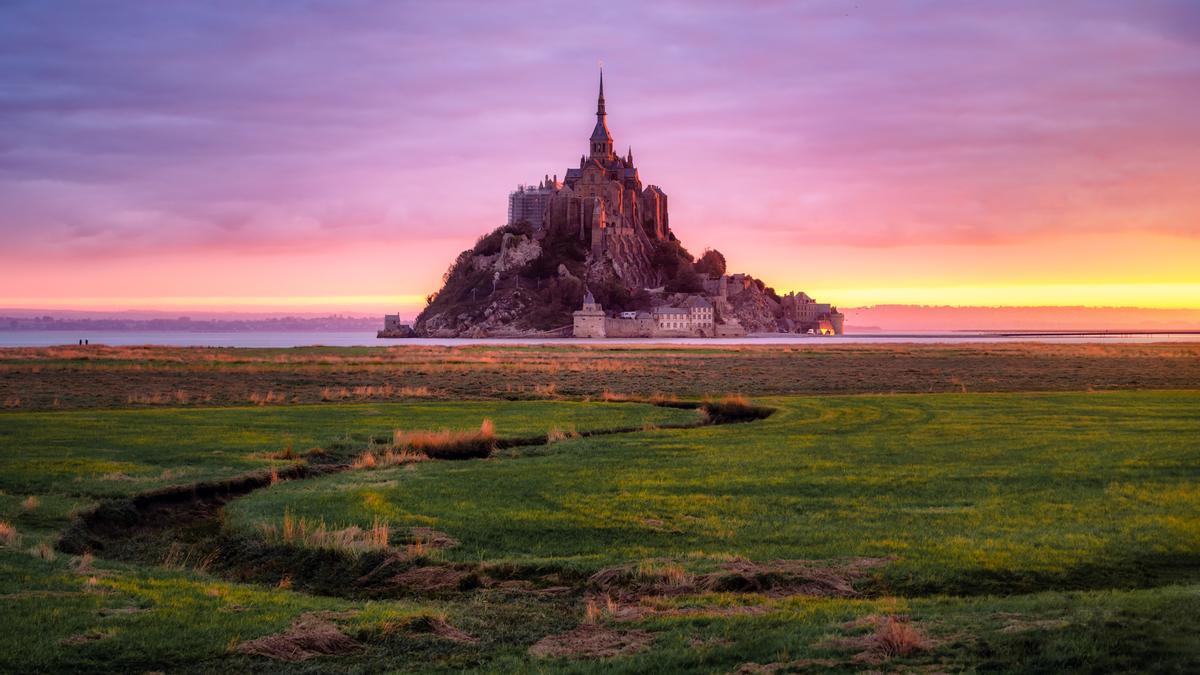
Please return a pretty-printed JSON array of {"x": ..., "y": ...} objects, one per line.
[
  {"x": 304, "y": 533},
  {"x": 926, "y": 481},
  {"x": 120, "y": 376},
  {"x": 8, "y": 534}
]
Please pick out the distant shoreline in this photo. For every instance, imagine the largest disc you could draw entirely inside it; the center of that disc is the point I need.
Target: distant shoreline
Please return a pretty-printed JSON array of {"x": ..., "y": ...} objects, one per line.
[{"x": 286, "y": 339}]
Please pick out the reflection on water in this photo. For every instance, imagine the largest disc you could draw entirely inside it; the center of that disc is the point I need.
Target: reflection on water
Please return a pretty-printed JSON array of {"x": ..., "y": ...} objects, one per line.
[{"x": 367, "y": 339}]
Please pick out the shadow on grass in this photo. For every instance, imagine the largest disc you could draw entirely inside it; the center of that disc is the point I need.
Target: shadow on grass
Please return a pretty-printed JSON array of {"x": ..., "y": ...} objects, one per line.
[{"x": 1119, "y": 570}]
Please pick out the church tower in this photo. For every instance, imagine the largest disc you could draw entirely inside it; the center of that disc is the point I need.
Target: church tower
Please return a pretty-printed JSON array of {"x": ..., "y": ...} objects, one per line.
[{"x": 601, "y": 141}]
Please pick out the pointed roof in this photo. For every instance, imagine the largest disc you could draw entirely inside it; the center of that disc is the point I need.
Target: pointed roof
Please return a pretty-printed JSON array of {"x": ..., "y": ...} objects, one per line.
[
  {"x": 600, "y": 133},
  {"x": 600, "y": 101}
]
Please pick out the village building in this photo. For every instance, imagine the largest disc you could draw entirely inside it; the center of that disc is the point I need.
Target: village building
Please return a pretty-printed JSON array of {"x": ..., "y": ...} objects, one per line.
[
  {"x": 802, "y": 314},
  {"x": 696, "y": 318}
]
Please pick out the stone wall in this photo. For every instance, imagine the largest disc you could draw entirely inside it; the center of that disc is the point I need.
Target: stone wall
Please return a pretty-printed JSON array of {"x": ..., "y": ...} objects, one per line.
[
  {"x": 589, "y": 324},
  {"x": 617, "y": 327}
]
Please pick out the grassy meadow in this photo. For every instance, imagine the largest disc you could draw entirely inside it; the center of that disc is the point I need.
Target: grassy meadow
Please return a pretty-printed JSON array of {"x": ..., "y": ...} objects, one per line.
[
  {"x": 976, "y": 508},
  {"x": 970, "y": 493},
  {"x": 67, "y": 460}
]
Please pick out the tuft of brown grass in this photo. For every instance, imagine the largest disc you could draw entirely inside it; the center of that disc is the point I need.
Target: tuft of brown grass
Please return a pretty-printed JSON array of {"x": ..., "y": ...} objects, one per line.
[
  {"x": 592, "y": 612},
  {"x": 304, "y": 533},
  {"x": 334, "y": 393},
  {"x": 445, "y": 444},
  {"x": 8, "y": 534},
  {"x": 556, "y": 435},
  {"x": 891, "y": 636},
  {"x": 389, "y": 457},
  {"x": 416, "y": 549},
  {"x": 894, "y": 637},
  {"x": 30, "y": 503},
  {"x": 269, "y": 397},
  {"x": 669, "y": 573},
  {"x": 45, "y": 551},
  {"x": 732, "y": 408}
]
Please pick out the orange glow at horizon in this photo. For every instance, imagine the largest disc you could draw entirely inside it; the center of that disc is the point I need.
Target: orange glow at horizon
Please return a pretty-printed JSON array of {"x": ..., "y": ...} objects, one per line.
[{"x": 366, "y": 278}]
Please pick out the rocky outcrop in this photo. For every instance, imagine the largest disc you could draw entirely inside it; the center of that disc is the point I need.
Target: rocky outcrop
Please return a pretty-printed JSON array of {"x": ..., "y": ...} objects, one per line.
[
  {"x": 757, "y": 311},
  {"x": 526, "y": 281},
  {"x": 629, "y": 253}
]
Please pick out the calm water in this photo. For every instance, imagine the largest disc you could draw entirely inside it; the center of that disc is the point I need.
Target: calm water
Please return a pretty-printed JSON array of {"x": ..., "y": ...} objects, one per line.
[{"x": 368, "y": 339}]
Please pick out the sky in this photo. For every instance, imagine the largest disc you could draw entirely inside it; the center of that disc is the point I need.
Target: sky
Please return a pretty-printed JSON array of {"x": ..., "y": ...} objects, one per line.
[{"x": 337, "y": 156}]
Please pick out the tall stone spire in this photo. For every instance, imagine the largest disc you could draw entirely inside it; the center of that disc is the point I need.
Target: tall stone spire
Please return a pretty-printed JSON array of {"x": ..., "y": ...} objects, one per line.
[
  {"x": 600, "y": 101},
  {"x": 601, "y": 141}
]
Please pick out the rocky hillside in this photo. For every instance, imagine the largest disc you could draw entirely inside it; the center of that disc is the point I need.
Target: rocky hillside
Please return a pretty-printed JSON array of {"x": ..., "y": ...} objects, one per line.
[{"x": 519, "y": 280}]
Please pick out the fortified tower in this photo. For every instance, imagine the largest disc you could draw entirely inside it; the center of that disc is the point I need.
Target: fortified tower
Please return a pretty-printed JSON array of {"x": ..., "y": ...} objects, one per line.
[{"x": 589, "y": 321}]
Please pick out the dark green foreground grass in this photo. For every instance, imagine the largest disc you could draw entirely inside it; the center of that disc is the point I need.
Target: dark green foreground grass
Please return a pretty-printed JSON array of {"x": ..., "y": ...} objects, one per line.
[
  {"x": 1031, "y": 533},
  {"x": 116, "y": 618}
]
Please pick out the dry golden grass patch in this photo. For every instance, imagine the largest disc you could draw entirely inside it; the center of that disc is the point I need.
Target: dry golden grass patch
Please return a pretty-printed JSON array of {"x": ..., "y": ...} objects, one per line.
[
  {"x": 8, "y": 534},
  {"x": 304, "y": 533},
  {"x": 116, "y": 376},
  {"x": 890, "y": 636},
  {"x": 388, "y": 457},
  {"x": 591, "y": 641},
  {"x": 311, "y": 634},
  {"x": 556, "y": 434},
  {"x": 270, "y": 397},
  {"x": 443, "y": 444}
]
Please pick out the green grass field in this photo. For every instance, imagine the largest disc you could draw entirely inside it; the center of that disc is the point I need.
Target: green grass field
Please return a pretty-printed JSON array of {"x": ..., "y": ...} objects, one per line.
[
  {"x": 971, "y": 493},
  {"x": 68, "y": 460},
  {"x": 1003, "y": 532}
]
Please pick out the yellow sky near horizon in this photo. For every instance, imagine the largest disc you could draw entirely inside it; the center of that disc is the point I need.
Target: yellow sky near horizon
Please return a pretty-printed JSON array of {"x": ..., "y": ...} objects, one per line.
[{"x": 1162, "y": 296}]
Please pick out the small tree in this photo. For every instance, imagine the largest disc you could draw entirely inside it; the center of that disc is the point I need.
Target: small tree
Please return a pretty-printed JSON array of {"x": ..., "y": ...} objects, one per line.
[
  {"x": 711, "y": 263},
  {"x": 685, "y": 280}
]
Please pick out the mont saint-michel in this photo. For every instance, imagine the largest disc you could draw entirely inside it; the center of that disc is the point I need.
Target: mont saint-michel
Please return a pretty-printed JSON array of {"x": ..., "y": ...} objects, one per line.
[{"x": 593, "y": 254}]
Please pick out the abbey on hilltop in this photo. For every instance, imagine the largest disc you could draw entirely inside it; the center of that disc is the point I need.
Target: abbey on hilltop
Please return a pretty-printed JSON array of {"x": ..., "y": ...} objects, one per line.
[
  {"x": 604, "y": 202},
  {"x": 593, "y": 255}
]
